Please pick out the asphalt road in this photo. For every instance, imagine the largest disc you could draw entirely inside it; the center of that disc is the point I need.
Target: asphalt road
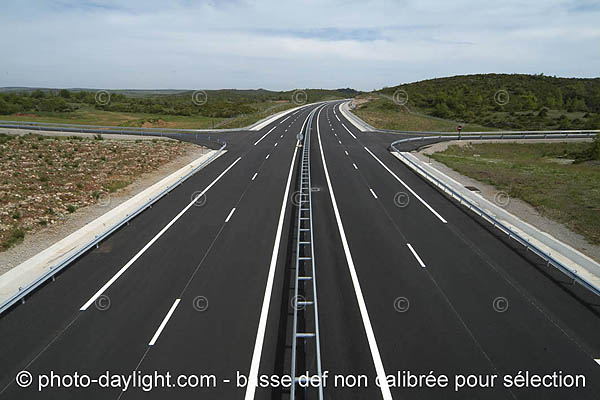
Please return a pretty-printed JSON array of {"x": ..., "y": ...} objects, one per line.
[{"x": 407, "y": 281}]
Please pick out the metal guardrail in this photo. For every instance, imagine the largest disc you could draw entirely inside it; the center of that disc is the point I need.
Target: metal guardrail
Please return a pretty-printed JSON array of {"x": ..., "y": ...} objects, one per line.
[
  {"x": 505, "y": 135},
  {"x": 492, "y": 219},
  {"x": 305, "y": 278},
  {"x": 55, "y": 269},
  {"x": 105, "y": 128}
]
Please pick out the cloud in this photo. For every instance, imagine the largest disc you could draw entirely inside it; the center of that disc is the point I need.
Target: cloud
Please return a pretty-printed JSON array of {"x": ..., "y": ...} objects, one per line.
[{"x": 282, "y": 45}]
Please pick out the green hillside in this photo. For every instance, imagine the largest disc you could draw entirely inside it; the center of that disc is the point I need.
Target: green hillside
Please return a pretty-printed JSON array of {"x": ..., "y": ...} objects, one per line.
[{"x": 505, "y": 101}]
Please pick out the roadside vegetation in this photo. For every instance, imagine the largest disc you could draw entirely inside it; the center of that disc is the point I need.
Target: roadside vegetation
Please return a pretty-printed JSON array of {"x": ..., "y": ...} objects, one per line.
[
  {"x": 494, "y": 101},
  {"x": 561, "y": 180},
  {"x": 156, "y": 109},
  {"x": 382, "y": 113},
  {"x": 44, "y": 179}
]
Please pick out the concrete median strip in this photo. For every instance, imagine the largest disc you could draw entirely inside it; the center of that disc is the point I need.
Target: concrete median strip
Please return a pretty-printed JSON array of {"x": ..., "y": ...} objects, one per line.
[{"x": 22, "y": 276}]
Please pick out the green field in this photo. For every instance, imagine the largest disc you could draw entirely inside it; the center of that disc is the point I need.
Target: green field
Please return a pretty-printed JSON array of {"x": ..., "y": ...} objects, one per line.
[
  {"x": 155, "y": 109},
  {"x": 542, "y": 174}
]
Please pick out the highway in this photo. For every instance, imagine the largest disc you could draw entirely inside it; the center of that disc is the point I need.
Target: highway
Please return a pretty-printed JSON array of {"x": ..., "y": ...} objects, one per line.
[{"x": 406, "y": 280}]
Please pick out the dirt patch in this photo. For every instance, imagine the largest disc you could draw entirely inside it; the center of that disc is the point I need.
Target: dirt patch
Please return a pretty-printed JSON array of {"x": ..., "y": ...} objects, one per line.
[
  {"x": 46, "y": 179},
  {"x": 35, "y": 242},
  {"x": 159, "y": 123}
]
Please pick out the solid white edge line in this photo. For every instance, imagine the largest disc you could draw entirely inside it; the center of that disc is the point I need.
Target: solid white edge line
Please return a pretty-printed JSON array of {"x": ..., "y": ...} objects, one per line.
[
  {"x": 351, "y": 134},
  {"x": 230, "y": 214},
  {"x": 264, "y": 312},
  {"x": 416, "y": 255},
  {"x": 164, "y": 323},
  {"x": 373, "y": 193},
  {"x": 254, "y": 176},
  {"x": 407, "y": 187},
  {"x": 597, "y": 360},
  {"x": 258, "y": 141},
  {"x": 338, "y": 118},
  {"x": 151, "y": 242},
  {"x": 385, "y": 389}
]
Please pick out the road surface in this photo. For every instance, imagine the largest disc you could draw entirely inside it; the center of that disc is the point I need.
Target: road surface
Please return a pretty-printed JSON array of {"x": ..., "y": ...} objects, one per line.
[{"x": 408, "y": 283}]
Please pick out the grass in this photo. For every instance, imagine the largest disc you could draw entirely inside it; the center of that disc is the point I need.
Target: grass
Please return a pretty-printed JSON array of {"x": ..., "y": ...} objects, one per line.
[
  {"x": 542, "y": 174},
  {"x": 382, "y": 113},
  {"x": 88, "y": 115},
  {"x": 113, "y": 186},
  {"x": 15, "y": 236},
  {"x": 249, "y": 119}
]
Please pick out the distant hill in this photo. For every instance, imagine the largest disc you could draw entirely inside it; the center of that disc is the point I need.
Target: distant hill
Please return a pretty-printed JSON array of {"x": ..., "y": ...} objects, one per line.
[{"x": 507, "y": 100}]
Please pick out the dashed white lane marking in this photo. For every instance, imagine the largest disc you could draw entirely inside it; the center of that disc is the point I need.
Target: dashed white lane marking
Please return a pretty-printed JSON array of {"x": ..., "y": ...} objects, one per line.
[
  {"x": 346, "y": 151},
  {"x": 267, "y": 157},
  {"x": 164, "y": 323},
  {"x": 230, "y": 214},
  {"x": 362, "y": 306},
  {"x": 351, "y": 134},
  {"x": 275, "y": 144},
  {"x": 355, "y": 167},
  {"x": 416, "y": 255},
  {"x": 281, "y": 136},
  {"x": 339, "y": 141},
  {"x": 258, "y": 141},
  {"x": 373, "y": 193},
  {"x": 254, "y": 176},
  {"x": 407, "y": 187},
  {"x": 264, "y": 312},
  {"x": 153, "y": 240},
  {"x": 597, "y": 360},
  {"x": 285, "y": 119}
]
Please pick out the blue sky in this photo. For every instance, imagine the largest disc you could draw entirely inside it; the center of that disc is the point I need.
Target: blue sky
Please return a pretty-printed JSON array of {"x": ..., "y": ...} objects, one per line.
[{"x": 283, "y": 45}]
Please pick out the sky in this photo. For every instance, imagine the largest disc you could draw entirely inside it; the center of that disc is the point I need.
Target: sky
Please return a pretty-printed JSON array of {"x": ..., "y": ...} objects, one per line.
[{"x": 284, "y": 45}]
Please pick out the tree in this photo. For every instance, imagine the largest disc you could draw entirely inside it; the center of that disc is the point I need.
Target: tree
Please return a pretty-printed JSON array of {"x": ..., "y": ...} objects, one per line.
[
  {"x": 65, "y": 94},
  {"x": 441, "y": 110}
]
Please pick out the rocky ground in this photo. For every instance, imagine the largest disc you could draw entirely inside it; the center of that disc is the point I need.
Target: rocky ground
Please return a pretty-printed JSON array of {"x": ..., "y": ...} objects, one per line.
[{"x": 44, "y": 179}]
